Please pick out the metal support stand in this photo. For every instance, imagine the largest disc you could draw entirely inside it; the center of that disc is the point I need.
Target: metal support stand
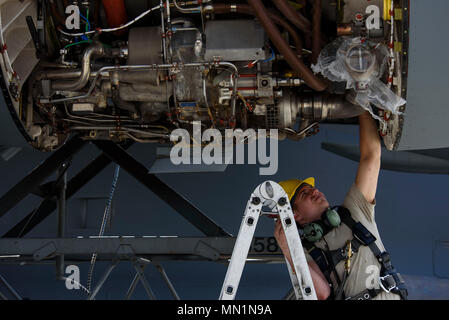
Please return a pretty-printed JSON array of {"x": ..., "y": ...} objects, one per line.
[
  {"x": 62, "y": 210},
  {"x": 103, "y": 280},
  {"x": 10, "y": 289},
  {"x": 55, "y": 194},
  {"x": 139, "y": 273},
  {"x": 167, "y": 280}
]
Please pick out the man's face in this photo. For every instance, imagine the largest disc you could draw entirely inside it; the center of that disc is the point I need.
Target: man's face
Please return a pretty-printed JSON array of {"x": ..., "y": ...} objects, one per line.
[{"x": 309, "y": 204}]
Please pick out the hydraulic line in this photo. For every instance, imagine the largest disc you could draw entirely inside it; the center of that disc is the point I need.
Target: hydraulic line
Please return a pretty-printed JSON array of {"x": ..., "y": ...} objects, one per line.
[{"x": 106, "y": 217}]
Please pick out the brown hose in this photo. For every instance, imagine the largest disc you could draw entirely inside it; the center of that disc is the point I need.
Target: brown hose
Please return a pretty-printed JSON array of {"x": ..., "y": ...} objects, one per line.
[
  {"x": 316, "y": 30},
  {"x": 59, "y": 19},
  {"x": 293, "y": 16},
  {"x": 221, "y": 8},
  {"x": 283, "y": 47}
]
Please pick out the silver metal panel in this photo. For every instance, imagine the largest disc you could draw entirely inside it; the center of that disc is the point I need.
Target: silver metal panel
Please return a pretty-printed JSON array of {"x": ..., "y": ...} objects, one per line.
[
  {"x": 234, "y": 40},
  {"x": 427, "y": 113},
  {"x": 359, "y": 6}
]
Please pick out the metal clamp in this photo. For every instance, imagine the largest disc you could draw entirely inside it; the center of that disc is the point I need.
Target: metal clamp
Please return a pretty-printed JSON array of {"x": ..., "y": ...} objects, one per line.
[{"x": 391, "y": 286}]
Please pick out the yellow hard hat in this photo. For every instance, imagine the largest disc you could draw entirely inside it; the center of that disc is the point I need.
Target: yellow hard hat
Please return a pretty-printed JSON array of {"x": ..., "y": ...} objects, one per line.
[{"x": 290, "y": 186}]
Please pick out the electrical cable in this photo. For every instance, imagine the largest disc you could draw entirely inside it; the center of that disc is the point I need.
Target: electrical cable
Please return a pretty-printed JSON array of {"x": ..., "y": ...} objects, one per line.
[
  {"x": 270, "y": 58},
  {"x": 79, "y": 42},
  {"x": 111, "y": 29},
  {"x": 87, "y": 21},
  {"x": 106, "y": 215}
]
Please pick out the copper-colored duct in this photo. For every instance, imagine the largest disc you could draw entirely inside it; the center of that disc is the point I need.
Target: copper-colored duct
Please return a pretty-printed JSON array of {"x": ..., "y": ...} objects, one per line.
[
  {"x": 220, "y": 8},
  {"x": 115, "y": 13},
  {"x": 59, "y": 19},
  {"x": 275, "y": 36},
  {"x": 316, "y": 30},
  {"x": 293, "y": 16}
]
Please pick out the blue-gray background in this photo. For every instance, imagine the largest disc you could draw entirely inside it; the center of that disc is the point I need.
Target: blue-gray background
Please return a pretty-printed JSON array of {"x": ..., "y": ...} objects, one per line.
[{"x": 412, "y": 214}]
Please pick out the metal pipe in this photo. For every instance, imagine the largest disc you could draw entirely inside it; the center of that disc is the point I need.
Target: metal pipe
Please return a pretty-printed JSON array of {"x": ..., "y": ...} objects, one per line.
[
  {"x": 187, "y": 10},
  {"x": 163, "y": 35},
  {"x": 95, "y": 49},
  {"x": 292, "y": 59},
  {"x": 124, "y": 129},
  {"x": 293, "y": 16}
]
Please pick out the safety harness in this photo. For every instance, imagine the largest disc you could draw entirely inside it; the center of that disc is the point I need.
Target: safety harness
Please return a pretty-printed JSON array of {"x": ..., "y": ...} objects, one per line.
[{"x": 390, "y": 280}]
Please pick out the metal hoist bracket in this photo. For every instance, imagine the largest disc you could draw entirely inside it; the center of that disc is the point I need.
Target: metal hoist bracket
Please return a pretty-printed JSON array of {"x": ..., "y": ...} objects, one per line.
[{"x": 272, "y": 195}]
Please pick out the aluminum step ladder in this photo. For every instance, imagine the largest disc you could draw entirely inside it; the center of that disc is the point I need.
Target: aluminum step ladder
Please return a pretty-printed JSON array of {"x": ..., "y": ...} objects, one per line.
[{"x": 272, "y": 195}]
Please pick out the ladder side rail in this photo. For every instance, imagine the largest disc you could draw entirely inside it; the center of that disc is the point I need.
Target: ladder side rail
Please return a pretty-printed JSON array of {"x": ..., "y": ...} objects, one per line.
[{"x": 241, "y": 249}]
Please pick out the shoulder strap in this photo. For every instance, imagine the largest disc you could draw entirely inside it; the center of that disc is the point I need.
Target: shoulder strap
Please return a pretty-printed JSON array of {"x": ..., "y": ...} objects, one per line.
[{"x": 390, "y": 279}]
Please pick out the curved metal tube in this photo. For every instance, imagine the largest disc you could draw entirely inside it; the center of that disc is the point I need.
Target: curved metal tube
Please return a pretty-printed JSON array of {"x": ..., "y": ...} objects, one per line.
[
  {"x": 95, "y": 49},
  {"x": 275, "y": 36},
  {"x": 186, "y": 10}
]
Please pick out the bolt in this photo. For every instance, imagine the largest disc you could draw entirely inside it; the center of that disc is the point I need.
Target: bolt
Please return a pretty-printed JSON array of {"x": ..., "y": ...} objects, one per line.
[
  {"x": 255, "y": 201},
  {"x": 282, "y": 201}
]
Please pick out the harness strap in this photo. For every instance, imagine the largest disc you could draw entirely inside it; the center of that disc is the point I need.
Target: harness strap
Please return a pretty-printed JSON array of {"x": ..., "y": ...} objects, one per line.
[{"x": 390, "y": 280}]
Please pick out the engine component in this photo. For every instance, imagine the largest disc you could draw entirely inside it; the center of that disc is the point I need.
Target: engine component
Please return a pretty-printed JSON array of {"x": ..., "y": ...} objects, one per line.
[
  {"x": 234, "y": 40},
  {"x": 226, "y": 65},
  {"x": 144, "y": 48},
  {"x": 360, "y": 63},
  {"x": 314, "y": 107}
]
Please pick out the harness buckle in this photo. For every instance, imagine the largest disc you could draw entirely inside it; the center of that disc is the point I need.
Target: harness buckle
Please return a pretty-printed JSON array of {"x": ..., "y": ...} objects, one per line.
[{"x": 390, "y": 283}]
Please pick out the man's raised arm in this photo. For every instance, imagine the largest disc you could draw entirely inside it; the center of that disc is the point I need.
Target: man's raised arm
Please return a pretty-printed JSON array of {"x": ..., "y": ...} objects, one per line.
[{"x": 370, "y": 154}]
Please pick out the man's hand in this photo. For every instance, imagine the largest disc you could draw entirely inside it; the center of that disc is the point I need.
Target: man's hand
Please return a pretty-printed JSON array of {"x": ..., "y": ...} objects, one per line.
[
  {"x": 322, "y": 288},
  {"x": 370, "y": 154}
]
